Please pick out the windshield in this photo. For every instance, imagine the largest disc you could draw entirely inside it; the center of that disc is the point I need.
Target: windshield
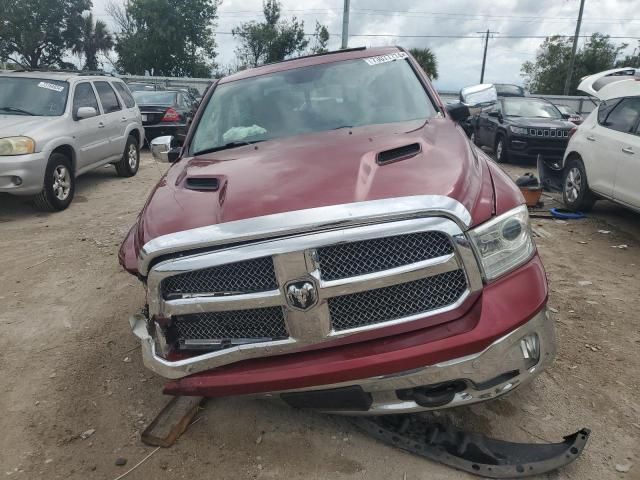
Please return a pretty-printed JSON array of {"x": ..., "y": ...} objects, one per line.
[
  {"x": 312, "y": 99},
  {"x": 32, "y": 96},
  {"x": 155, "y": 98},
  {"x": 529, "y": 107}
]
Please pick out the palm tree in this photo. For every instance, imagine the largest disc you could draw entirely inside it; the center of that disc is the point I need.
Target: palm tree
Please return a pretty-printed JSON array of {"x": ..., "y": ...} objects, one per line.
[
  {"x": 427, "y": 60},
  {"x": 95, "y": 39}
]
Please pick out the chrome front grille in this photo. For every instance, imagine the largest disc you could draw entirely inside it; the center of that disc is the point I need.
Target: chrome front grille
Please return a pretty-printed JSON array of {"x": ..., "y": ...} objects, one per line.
[
  {"x": 398, "y": 301},
  {"x": 275, "y": 295},
  {"x": 260, "y": 324},
  {"x": 249, "y": 276},
  {"x": 369, "y": 256}
]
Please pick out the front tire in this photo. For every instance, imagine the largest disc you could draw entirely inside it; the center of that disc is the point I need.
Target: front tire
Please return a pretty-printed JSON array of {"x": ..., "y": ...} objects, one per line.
[
  {"x": 575, "y": 189},
  {"x": 474, "y": 139},
  {"x": 130, "y": 163},
  {"x": 502, "y": 154},
  {"x": 59, "y": 185}
]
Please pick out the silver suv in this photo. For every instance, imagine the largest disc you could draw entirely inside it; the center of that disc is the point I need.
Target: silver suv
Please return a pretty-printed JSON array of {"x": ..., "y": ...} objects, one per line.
[{"x": 55, "y": 126}]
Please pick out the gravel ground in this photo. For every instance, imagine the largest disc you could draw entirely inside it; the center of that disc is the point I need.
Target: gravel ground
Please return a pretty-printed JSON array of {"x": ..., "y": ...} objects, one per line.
[{"x": 69, "y": 365}]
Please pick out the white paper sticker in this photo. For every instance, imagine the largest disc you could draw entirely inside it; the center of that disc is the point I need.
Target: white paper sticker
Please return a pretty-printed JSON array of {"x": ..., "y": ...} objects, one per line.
[
  {"x": 386, "y": 58},
  {"x": 51, "y": 86}
]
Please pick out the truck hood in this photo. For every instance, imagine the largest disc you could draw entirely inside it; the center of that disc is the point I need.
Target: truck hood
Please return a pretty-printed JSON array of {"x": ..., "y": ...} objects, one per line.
[
  {"x": 16, "y": 125},
  {"x": 315, "y": 170}
]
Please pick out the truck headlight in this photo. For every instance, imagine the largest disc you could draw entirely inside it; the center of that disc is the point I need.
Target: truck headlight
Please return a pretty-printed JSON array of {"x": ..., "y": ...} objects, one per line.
[
  {"x": 17, "y": 146},
  {"x": 504, "y": 243},
  {"x": 518, "y": 130}
]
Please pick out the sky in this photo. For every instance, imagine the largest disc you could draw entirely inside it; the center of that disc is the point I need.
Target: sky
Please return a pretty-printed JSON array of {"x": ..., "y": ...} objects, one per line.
[{"x": 459, "y": 59}]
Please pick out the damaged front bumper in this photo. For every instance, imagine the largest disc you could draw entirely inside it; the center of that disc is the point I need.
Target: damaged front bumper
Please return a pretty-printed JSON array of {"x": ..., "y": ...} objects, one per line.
[{"x": 508, "y": 362}]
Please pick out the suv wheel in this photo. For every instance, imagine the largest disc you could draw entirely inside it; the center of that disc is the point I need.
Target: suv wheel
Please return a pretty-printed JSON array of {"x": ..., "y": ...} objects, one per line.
[
  {"x": 502, "y": 155},
  {"x": 575, "y": 189},
  {"x": 59, "y": 184},
  {"x": 474, "y": 139},
  {"x": 130, "y": 162}
]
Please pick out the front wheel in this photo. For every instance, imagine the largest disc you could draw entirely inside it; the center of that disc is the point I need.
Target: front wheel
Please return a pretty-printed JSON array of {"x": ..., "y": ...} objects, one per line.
[
  {"x": 474, "y": 139},
  {"x": 130, "y": 162},
  {"x": 575, "y": 190},
  {"x": 502, "y": 155},
  {"x": 59, "y": 185}
]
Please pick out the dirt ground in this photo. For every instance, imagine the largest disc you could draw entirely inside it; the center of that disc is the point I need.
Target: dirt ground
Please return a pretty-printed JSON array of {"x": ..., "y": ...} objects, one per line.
[{"x": 69, "y": 365}]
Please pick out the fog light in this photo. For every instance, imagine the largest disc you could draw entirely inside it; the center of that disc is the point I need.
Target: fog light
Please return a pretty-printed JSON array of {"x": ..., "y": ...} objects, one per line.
[
  {"x": 530, "y": 346},
  {"x": 17, "y": 181}
]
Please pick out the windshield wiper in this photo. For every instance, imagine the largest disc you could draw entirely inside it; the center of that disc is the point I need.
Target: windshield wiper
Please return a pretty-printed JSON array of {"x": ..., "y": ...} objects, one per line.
[
  {"x": 17, "y": 110},
  {"x": 227, "y": 146},
  {"x": 342, "y": 126}
]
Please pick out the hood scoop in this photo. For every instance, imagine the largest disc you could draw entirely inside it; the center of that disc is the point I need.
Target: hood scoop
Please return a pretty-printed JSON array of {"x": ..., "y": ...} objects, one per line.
[
  {"x": 210, "y": 184},
  {"x": 398, "y": 154}
]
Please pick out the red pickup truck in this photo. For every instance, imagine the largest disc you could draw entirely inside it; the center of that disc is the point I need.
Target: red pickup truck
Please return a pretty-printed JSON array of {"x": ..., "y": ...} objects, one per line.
[{"x": 327, "y": 235}]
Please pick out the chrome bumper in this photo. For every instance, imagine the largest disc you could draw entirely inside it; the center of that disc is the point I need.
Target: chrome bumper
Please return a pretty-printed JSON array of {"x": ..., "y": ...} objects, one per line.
[{"x": 507, "y": 354}]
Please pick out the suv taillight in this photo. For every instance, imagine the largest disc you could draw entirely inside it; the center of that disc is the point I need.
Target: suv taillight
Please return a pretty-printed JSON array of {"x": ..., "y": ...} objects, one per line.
[
  {"x": 572, "y": 131},
  {"x": 171, "y": 116}
]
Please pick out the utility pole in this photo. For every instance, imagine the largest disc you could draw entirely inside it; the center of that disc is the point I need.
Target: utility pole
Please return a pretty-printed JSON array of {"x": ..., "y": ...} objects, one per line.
[
  {"x": 484, "y": 56},
  {"x": 567, "y": 83},
  {"x": 345, "y": 25}
]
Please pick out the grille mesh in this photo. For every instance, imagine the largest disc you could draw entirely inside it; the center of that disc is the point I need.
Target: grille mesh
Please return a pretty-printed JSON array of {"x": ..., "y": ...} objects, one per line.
[
  {"x": 398, "y": 301},
  {"x": 369, "y": 256},
  {"x": 250, "y": 276},
  {"x": 259, "y": 323}
]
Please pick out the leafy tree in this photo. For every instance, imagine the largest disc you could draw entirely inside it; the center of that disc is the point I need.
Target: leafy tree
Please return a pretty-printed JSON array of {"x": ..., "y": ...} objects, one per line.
[
  {"x": 95, "y": 39},
  {"x": 427, "y": 60},
  {"x": 320, "y": 39},
  {"x": 166, "y": 37},
  {"x": 36, "y": 33},
  {"x": 632, "y": 60},
  {"x": 547, "y": 74},
  {"x": 275, "y": 38}
]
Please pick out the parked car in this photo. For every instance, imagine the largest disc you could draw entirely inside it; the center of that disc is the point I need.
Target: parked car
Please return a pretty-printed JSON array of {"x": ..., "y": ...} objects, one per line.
[
  {"x": 193, "y": 91},
  {"x": 145, "y": 87},
  {"x": 56, "y": 126},
  {"x": 523, "y": 128},
  {"x": 165, "y": 112},
  {"x": 569, "y": 114},
  {"x": 509, "y": 90},
  {"x": 603, "y": 156},
  {"x": 328, "y": 236}
]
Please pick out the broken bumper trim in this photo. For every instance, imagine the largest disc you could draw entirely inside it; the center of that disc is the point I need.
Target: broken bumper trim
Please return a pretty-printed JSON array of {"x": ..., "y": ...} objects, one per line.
[{"x": 472, "y": 452}]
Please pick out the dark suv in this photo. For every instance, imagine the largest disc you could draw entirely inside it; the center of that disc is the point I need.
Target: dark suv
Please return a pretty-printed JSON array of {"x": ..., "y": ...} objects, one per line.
[{"x": 522, "y": 127}]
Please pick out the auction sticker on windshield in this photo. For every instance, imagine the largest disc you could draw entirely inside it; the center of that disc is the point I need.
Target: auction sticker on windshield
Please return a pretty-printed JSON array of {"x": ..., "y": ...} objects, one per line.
[
  {"x": 386, "y": 58},
  {"x": 51, "y": 86}
]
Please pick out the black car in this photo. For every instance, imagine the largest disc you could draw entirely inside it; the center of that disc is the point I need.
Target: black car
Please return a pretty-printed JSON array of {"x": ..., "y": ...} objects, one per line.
[
  {"x": 522, "y": 127},
  {"x": 509, "y": 90},
  {"x": 145, "y": 87},
  {"x": 166, "y": 112}
]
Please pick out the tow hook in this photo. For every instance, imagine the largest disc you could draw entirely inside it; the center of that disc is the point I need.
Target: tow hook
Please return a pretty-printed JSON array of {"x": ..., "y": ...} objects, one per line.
[
  {"x": 473, "y": 453},
  {"x": 433, "y": 396}
]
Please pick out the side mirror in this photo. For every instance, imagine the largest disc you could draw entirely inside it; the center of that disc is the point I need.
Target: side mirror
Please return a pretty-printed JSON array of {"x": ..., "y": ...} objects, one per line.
[
  {"x": 566, "y": 116},
  {"x": 480, "y": 96},
  {"x": 458, "y": 111},
  {"x": 86, "y": 112},
  {"x": 495, "y": 114},
  {"x": 165, "y": 149}
]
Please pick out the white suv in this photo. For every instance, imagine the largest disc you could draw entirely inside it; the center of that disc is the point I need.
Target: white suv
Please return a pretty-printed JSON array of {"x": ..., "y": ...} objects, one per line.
[
  {"x": 55, "y": 126},
  {"x": 602, "y": 159}
]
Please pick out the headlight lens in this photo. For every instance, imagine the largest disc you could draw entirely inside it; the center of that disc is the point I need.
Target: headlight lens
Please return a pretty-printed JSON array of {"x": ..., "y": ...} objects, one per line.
[
  {"x": 504, "y": 243},
  {"x": 17, "y": 146},
  {"x": 518, "y": 130}
]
